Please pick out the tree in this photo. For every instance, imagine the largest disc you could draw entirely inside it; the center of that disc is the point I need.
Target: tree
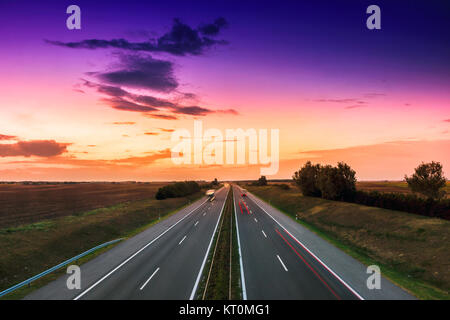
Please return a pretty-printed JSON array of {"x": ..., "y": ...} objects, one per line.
[
  {"x": 337, "y": 183},
  {"x": 428, "y": 180},
  {"x": 215, "y": 182},
  {"x": 262, "y": 181},
  {"x": 177, "y": 189},
  {"x": 306, "y": 179}
]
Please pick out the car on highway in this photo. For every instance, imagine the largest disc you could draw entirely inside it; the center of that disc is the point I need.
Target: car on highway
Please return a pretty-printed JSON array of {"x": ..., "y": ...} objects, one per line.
[{"x": 243, "y": 194}]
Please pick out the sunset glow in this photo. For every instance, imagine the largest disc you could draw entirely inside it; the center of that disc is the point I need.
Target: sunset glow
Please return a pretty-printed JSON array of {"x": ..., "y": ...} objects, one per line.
[{"x": 81, "y": 111}]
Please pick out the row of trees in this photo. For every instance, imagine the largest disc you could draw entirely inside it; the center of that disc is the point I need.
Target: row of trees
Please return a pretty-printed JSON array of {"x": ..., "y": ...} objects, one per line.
[
  {"x": 177, "y": 189},
  {"x": 262, "y": 181},
  {"x": 339, "y": 183},
  {"x": 212, "y": 185}
]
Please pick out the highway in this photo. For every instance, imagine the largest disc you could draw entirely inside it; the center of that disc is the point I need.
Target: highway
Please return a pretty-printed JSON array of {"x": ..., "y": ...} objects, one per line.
[
  {"x": 279, "y": 259},
  {"x": 276, "y": 263},
  {"x": 164, "y": 262}
]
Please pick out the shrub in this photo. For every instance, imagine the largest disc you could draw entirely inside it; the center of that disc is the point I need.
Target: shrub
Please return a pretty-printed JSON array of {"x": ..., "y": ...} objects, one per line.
[
  {"x": 177, "y": 189},
  {"x": 261, "y": 182},
  {"x": 306, "y": 179},
  {"x": 404, "y": 202},
  {"x": 428, "y": 180}
]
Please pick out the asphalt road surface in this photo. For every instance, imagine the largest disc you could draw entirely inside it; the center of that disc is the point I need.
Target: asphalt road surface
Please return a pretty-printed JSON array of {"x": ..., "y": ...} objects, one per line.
[
  {"x": 163, "y": 262},
  {"x": 276, "y": 263},
  {"x": 279, "y": 259}
]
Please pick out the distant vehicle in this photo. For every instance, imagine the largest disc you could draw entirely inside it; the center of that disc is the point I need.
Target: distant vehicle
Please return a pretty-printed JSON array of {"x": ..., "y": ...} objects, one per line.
[
  {"x": 211, "y": 194},
  {"x": 243, "y": 194}
]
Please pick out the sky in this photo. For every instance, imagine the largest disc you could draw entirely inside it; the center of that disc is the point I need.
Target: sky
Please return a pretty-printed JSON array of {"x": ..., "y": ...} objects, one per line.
[{"x": 102, "y": 102}]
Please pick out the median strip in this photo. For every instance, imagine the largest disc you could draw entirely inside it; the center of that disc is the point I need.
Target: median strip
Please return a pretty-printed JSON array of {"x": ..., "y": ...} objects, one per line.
[{"x": 221, "y": 280}]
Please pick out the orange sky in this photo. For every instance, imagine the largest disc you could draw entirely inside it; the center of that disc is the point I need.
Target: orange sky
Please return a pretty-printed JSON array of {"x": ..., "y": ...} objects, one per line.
[{"x": 65, "y": 115}]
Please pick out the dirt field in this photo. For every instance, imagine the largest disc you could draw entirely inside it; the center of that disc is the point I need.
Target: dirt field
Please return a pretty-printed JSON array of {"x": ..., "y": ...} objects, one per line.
[
  {"x": 413, "y": 250},
  {"x": 23, "y": 204}
]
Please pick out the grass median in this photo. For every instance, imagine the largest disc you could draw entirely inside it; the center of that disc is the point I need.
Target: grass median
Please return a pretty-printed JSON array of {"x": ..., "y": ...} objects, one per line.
[{"x": 221, "y": 275}]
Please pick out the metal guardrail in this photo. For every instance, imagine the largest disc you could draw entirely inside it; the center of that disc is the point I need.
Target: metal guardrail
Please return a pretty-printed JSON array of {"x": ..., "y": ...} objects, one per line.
[{"x": 40, "y": 275}]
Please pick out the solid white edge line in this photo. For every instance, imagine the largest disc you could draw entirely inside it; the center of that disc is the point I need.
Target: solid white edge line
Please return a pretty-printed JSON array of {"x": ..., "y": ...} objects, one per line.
[
  {"x": 263, "y": 233},
  {"x": 136, "y": 253},
  {"x": 244, "y": 290},
  {"x": 310, "y": 252},
  {"x": 197, "y": 281},
  {"x": 149, "y": 279},
  {"x": 182, "y": 240},
  {"x": 281, "y": 261}
]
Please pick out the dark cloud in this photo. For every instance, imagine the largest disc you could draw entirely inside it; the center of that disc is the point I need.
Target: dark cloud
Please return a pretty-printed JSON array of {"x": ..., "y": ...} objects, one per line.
[
  {"x": 354, "y": 106},
  {"x": 125, "y": 105},
  {"x": 180, "y": 40},
  {"x": 123, "y": 100},
  {"x": 213, "y": 29},
  {"x": 39, "y": 148},
  {"x": 105, "y": 89},
  {"x": 153, "y": 101},
  {"x": 192, "y": 110},
  {"x": 446, "y": 120},
  {"x": 6, "y": 137},
  {"x": 161, "y": 116},
  {"x": 346, "y": 100},
  {"x": 228, "y": 111},
  {"x": 141, "y": 72}
]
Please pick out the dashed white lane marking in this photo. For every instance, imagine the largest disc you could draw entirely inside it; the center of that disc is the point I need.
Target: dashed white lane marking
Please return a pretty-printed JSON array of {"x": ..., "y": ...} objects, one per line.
[
  {"x": 204, "y": 213},
  {"x": 196, "y": 224},
  {"x": 135, "y": 254},
  {"x": 310, "y": 252},
  {"x": 281, "y": 261},
  {"x": 149, "y": 279},
  {"x": 182, "y": 240},
  {"x": 256, "y": 220},
  {"x": 263, "y": 233}
]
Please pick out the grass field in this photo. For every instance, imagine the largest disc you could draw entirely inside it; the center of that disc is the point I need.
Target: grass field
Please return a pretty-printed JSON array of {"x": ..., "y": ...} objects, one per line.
[
  {"x": 391, "y": 186},
  {"x": 412, "y": 250},
  {"x": 24, "y": 204},
  {"x": 380, "y": 186},
  {"x": 29, "y": 249}
]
